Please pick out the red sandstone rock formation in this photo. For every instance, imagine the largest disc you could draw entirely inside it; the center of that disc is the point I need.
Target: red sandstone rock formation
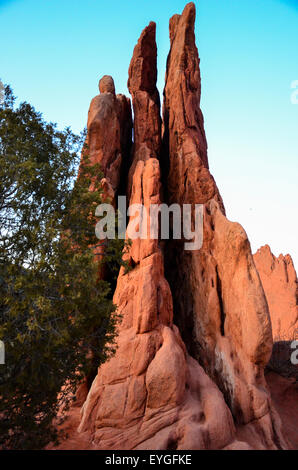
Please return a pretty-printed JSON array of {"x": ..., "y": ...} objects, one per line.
[
  {"x": 145, "y": 100},
  {"x": 195, "y": 334},
  {"x": 217, "y": 293},
  {"x": 280, "y": 283},
  {"x": 108, "y": 141},
  {"x": 284, "y": 393},
  {"x": 152, "y": 394},
  {"x": 109, "y": 133}
]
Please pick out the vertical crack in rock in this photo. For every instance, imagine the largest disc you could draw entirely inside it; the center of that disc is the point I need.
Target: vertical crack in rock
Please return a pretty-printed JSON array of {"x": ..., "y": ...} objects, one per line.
[{"x": 221, "y": 305}]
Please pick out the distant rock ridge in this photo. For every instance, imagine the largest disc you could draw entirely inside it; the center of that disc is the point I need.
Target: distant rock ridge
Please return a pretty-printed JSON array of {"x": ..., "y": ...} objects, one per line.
[
  {"x": 280, "y": 283},
  {"x": 195, "y": 334}
]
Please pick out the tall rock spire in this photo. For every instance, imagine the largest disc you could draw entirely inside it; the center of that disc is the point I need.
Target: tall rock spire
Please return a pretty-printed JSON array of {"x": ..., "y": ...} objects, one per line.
[
  {"x": 145, "y": 99},
  {"x": 151, "y": 394},
  {"x": 219, "y": 302},
  {"x": 184, "y": 135},
  {"x": 108, "y": 142},
  {"x": 109, "y": 131},
  {"x": 195, "y": 333}
]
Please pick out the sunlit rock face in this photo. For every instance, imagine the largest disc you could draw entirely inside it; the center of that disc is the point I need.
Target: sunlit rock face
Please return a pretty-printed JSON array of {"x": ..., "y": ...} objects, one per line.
[
  {"x": 280, "y": 283},
  {"x": 219, "y": 302},
  {"x": 195, "y": 333},
  {"x": 109, "y": 132}
]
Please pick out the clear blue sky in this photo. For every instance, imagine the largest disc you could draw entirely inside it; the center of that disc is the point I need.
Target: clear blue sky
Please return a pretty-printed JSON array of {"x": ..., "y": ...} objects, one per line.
[{"x": 54, "y": 51}]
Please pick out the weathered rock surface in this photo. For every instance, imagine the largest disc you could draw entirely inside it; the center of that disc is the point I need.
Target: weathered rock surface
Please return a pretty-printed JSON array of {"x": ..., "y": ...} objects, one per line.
[
  {"x": 217, "y": 293},
  {"x": 284, "y": 392},
  {"x": 184, "y": 134},
  {"x": 280, "y": 283},
  {"x": 195, "y": 334},
  {"x": 145, "y": 100},
  {"x": 152, "y": 394},
  {"x": 108, "y": 142},
  {"x": 109, "y": 132}
]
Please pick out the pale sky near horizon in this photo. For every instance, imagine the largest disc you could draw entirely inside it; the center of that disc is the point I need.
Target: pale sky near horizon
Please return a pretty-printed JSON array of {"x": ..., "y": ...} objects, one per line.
[{"x": 54, "y": 51}]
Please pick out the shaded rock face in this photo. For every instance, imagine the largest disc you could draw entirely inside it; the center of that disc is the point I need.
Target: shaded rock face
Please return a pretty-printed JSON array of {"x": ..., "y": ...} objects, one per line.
[
  {"x": 285, "y": 397},
  {"x": 280, "y": 283},
  {"x": 195, "y": 333}
]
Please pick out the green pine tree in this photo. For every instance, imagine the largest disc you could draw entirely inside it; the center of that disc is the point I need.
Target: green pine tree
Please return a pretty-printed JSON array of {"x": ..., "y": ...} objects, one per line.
[{"x": 57, "y": 318}]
